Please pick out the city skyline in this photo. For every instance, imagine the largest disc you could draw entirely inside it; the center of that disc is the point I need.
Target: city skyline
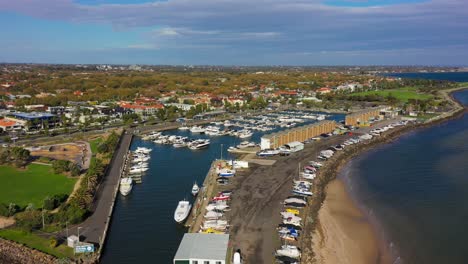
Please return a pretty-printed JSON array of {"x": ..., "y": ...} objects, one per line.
[{"x": 207, "y": 32}]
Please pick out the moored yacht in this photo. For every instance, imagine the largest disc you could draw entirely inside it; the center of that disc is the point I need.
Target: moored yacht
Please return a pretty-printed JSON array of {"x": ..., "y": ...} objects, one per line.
[
  {"x": 195, "y": 189},
  {"x": 182, "y": 211},
  {"x": 126, "y": 185}
]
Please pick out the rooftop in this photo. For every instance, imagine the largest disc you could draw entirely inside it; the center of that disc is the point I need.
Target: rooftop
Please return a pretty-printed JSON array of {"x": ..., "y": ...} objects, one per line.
[
  {"x": 203, "y": 246},
  {"x": 33, "y": 115}
]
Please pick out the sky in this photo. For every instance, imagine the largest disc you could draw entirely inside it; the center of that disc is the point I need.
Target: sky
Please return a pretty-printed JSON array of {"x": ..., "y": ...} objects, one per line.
[{"x": 235, "y": 32}]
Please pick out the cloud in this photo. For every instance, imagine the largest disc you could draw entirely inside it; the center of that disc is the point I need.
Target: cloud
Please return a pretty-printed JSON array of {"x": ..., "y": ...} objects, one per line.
[{"x": 269, "y": 26}]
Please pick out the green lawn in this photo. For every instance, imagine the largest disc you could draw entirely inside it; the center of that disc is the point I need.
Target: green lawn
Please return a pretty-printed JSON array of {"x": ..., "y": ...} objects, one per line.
[
  {"x": 37, "y": 242},
  {"x": 32, "y": 185},
  {"x": 94, "y": 144},
  {"x": 402, "y": 94}
]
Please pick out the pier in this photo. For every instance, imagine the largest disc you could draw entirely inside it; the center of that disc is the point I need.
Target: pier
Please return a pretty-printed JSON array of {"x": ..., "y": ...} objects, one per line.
[
  {"x": 207, "y": 191},
  {"x": 94, "y": 229}
]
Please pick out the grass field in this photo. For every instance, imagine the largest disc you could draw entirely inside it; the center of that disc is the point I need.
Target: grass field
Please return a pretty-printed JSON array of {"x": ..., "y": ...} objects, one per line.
[
  {"x": 37, "y": 242},
  {"x": 402, "y": 94},
  {"x": 32, "y": 185},
  {"x": 94, "y": 144}
]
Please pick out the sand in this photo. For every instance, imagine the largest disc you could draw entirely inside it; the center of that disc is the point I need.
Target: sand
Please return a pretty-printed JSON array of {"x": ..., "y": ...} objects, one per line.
[
  {"x": 344, "y": 235},
  {"x": 6, "y": 222}
]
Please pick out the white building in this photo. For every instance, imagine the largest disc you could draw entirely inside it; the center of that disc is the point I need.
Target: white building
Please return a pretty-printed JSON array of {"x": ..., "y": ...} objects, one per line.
[{"x": 199, "y": 248}]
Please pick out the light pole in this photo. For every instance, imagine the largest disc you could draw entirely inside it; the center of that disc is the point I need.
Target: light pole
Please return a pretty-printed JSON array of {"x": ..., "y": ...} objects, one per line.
[{"x": 78, "y": 228}]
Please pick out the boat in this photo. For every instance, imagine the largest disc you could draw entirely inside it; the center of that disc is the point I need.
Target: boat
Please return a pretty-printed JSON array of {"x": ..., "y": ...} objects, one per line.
[
  {"x": 301, "y": 191},
  {"x": 184, "y": 128},
  {"x": 143, "y": 150},
  {"x": 199, "y": 144},
  {"x": 237, "y": 259},
  {"x": 182, "y": 211},
  {"x": 245, "y": 134},
  {"x": 195, "y": 189},
  {"x": 126, "y": 185},
  {"x": 197, "y": 129},
  {"x": 268, "y": 153},
  {"x": 288, "y": 251},
  {"x": 213, "y": 215},
  {"x": 137, "y": 170},
  {"x": 226, "y": 173}
]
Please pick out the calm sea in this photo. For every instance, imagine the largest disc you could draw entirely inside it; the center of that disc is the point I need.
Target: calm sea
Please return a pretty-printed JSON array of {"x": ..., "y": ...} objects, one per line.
[
  {"x": 143, "y": 229},
  {"x": 416, "y": 189}
]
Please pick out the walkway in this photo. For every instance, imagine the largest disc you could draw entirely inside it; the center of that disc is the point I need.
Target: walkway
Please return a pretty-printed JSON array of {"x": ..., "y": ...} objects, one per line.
[{"x": 94, "y": 228}]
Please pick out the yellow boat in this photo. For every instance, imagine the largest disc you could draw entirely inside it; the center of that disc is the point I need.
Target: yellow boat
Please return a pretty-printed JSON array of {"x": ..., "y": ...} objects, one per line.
[
  {"x": 294, "y": 211},
  {"x": 212, "y": 231}
]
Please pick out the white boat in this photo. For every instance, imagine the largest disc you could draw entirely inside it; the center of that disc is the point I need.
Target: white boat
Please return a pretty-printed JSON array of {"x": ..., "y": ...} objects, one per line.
[
  {"x": 268, "y": 153},
  {"x": 302, "y": 191},
  {"x": 126, "y": 185},
  {"x": 308, "y": 176},
  {"x": 152, "y": 135},
  {"x": 195, "y": 189},
  {"x": 295, "y": 200},
  {"x": 137, "y": 170},
  {"x": 288, "y": 251},
  {"x": 182, "y": 211},
  {"x": 226, "y": 172},
  {"x": 199, "y": 144},
  {"x": 179, "y": 144},
  {"x": 245, "y": 134},
  {"x": 143, "y": 150},
  {"x": 213, "y": 215},
  {"x": 237, "y": 258},
  {"x": 184, "y": 128},
  {"x": 197, "y": 129}
]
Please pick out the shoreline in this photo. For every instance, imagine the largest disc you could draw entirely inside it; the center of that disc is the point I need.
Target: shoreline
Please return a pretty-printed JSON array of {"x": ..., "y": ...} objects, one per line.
[{"x": 317, "y": 242}]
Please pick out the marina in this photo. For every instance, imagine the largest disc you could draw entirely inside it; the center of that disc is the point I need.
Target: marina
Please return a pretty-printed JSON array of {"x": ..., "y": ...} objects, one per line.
[{"x": 169, "y": 179}]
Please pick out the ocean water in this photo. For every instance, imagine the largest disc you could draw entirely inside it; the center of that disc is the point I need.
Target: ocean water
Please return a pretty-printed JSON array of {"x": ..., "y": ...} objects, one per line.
[
  {"x": 448, "y": 76},
  {"x": 416, "y": 191},
  {"x": 143, "y": 229}
]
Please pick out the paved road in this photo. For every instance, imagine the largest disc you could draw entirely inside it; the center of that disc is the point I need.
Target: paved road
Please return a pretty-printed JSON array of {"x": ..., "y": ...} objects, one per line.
[{"x": 92, "y": 230}]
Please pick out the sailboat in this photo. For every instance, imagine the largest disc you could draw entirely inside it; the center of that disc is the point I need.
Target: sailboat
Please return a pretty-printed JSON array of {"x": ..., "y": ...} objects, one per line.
[{"x": 195, "y": 189}]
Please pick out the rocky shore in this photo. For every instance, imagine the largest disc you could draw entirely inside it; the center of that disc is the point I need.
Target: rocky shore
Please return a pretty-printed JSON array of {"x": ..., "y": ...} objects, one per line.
[{"x": 14, "y": 253}]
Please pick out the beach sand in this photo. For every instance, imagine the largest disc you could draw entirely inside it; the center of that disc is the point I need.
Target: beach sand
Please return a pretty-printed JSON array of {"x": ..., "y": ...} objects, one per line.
[{"x": 344, "y": 235}]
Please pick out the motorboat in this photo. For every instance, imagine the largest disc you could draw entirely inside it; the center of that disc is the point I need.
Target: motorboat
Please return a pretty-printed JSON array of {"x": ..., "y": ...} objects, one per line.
[
  {"x": 199, "y": 144},
  {"x": 152, "y": 135},
  {"x": 226, "y": 173},
  {"x": 308, "y": 176},
  {"x": 195, "y": 189},
  {"x": 237, "y": 259},
  {"x": 134, "y": 170},
  {"x": 245, "y": 134},
  {"x": 182, "y": 211},
  {"x": 126, "y": 185},
  {"x": 288, "y": 251},
  {"x": 197, "y": 129},
  {"x": 268, "y": 153},
  {"x": 184, "y": 128},
  {"x": 221, "y": 197},
  {"x": 213, "y": 215},
  {"x": 301, "y": 191},
  {"x": 143, "y": 150},
  {"x": 295, "y": 200}
]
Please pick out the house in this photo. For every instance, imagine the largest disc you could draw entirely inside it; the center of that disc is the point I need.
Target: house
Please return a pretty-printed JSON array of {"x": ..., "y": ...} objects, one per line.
[
  {"x": 9, "y": 125},
  {"x": 142, "y": 109},
  {"x": 200, "y": 248},
  {"x": 324, "y": 90}
]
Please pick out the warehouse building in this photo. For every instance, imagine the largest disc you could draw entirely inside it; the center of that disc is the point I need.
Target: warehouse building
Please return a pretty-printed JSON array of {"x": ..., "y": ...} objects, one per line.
[
  {"x": 301, "y": 134},
  {"x": 363, "y": 117},
  {"x": 199, "y": 248}
]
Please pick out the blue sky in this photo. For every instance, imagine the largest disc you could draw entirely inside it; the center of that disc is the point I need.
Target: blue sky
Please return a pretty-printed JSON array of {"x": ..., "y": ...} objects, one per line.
[{"x": 235, "y": 32}]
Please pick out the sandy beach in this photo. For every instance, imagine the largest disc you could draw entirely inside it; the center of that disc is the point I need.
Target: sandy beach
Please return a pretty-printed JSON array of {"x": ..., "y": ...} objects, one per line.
[{"x": 344, "y": 235}]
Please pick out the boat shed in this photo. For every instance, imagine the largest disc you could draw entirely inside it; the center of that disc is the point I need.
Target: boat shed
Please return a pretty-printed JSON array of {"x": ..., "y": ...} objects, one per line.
[
  {"x": 199, "y": 248},
  {"x": 300, "y": 134},
  {"x": 295, "y": 146}
]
